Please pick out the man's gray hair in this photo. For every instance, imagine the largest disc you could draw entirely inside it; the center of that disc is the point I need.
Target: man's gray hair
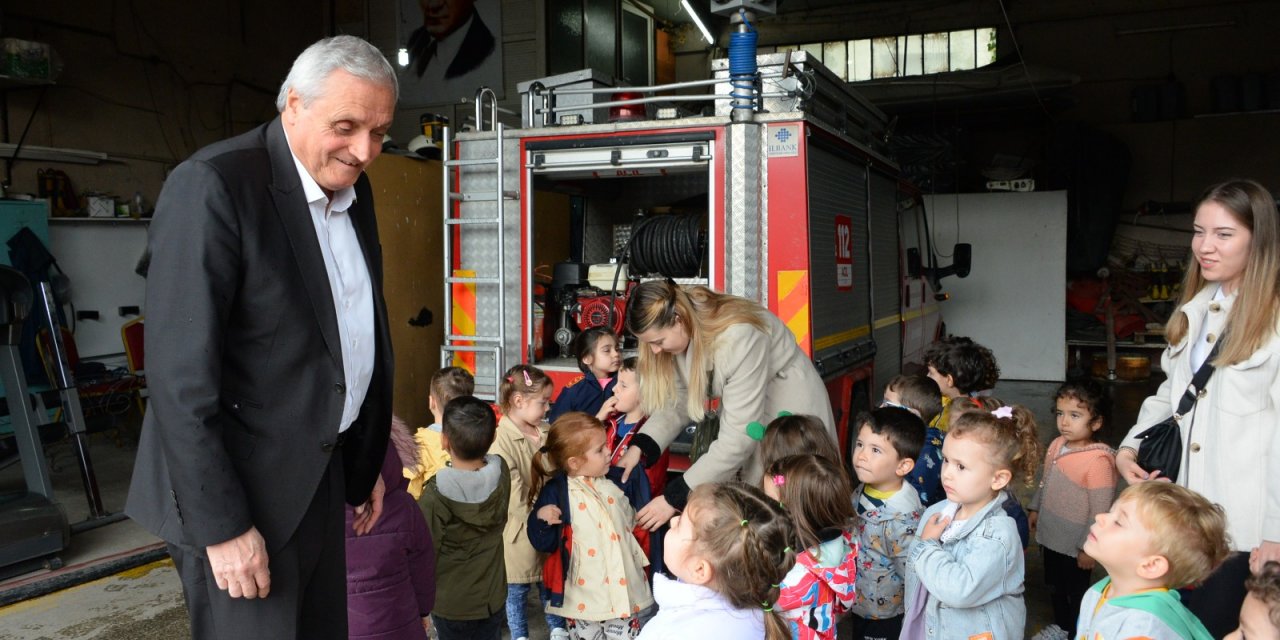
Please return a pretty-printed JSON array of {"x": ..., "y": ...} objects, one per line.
[{"x": 348, "y": 53}]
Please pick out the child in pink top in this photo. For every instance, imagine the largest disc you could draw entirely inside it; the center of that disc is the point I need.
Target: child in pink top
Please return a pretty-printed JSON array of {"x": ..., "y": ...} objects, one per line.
[{"x": 1078, "y": 483}]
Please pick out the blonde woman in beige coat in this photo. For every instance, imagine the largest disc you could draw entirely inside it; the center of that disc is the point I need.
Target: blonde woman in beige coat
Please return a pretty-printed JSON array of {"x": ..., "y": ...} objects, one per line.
[
  {"x": 697, "y": 345},
  {"x": 1231, "y": 438}
]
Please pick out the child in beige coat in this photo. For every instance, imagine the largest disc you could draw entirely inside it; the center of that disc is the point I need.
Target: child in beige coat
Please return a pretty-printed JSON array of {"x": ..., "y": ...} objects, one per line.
[{"x": 525, "y": 396}]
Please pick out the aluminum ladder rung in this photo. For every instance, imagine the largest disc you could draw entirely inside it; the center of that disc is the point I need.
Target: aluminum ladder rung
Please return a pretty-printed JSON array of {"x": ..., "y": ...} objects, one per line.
[
  {"x": 471, "y": 280},
  {"x": 496, "y": 339},
  {"x": 492, "y": 349},
  {"x": 483, "y": 196},
  {"x": 472, "y": 221}
]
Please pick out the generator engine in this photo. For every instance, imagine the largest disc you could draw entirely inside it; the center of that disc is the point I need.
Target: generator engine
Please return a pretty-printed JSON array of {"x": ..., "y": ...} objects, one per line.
[
  {"x": 583, "y": 306},
  {"x": 593, "y": 311}
]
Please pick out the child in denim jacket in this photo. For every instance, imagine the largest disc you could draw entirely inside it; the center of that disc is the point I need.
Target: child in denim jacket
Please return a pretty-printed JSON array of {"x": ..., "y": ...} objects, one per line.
[{"x": 965, "y": 571}]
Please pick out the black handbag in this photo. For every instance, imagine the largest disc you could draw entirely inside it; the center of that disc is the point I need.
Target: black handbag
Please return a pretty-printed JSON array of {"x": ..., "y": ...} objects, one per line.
[
  {"x": 706, "y": 432},
  {"x": 1161, "y": 447}
]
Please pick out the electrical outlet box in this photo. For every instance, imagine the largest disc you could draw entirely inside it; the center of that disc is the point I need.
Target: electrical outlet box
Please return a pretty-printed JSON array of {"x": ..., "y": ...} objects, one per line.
[{"x": 1021, "y": 184}]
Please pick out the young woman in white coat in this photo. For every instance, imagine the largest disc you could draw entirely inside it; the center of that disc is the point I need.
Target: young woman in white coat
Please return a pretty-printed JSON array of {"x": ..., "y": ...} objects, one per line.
[
  {"x": 697, "y": 344},
  {"x": 1231, "y": 439}
]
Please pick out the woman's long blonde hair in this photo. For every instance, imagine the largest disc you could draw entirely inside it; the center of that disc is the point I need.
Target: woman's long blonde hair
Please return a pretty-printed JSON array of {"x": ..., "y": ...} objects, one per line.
[
  {"x": 704, "y": 314},
  {"x": 1252, "y": 319}
]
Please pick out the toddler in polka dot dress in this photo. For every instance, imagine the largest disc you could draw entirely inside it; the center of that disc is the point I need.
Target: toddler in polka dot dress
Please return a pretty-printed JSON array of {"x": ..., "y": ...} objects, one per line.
[{"x": 594, "y": 574}]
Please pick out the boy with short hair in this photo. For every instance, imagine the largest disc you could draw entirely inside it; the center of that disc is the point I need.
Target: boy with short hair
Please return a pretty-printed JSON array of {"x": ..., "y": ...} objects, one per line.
[
  {"x": 466, "y": 508},
  {"x": 889, "y": 439},
  {"x": 920, "y": 395},
  {"x": 1260, "y": 614},
  {"x": 447, "y": 383},
  {"x": 623, "y": 417},
  {"x": 961, "y": 367},
  {"x": 1158, "y": 537}
]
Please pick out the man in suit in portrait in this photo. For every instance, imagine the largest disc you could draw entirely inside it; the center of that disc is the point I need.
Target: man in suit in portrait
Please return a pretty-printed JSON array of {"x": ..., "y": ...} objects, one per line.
[
  {"x": 451, "y": 42},
  {"x": 269, "y": 359}
]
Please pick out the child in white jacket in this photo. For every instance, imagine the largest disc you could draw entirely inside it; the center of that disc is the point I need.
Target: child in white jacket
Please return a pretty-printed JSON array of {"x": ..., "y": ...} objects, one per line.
[{"x": 729, "y": 529}]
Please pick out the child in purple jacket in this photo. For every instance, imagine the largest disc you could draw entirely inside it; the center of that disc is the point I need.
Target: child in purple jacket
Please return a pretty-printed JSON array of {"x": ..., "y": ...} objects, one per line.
[{"x": 391, "y": 572}]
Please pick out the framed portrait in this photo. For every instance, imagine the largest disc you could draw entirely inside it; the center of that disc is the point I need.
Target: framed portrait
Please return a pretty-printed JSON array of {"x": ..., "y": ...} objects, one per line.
[{"x": 455, "y": 47}]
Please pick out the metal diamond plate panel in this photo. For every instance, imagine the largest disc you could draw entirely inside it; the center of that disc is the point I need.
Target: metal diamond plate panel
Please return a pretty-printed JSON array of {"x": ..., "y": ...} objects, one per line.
[{"x": 742, "y": 257}]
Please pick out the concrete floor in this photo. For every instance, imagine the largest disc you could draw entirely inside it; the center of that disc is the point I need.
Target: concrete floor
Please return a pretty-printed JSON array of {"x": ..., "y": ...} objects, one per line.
[{"x": 146, "y": 601}]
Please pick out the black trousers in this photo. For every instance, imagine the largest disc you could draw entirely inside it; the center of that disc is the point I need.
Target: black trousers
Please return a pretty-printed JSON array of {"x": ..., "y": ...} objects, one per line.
[
  {"x": 308, "y": 598},
  {"x": 1218, "y": 599},
  {"x": 1067, "y": 585},
  {"x": 867, "y": 629},
  {"x": 483, "y": 629}
]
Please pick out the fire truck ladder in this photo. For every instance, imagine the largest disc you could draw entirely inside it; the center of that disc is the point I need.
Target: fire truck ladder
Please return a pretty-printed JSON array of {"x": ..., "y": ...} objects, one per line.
[{"x": 485, "y": 211}]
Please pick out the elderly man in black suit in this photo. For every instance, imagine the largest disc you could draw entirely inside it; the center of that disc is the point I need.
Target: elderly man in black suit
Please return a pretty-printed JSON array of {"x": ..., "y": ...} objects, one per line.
[
  {"x": 452, "y": 34},
  {"x": 269, "y": 361}
]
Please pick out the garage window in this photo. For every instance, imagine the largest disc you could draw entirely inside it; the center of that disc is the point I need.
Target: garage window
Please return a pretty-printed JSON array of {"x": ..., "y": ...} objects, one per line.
[{"x": 904, "y": 55}]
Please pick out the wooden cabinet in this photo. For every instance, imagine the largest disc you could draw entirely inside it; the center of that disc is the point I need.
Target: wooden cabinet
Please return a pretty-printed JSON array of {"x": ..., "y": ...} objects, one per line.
[{"x": 407, "y": 196}]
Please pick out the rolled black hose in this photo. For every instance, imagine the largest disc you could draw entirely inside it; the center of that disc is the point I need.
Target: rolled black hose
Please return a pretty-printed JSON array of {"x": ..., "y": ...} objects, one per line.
[{"x": 667, "y": 245}]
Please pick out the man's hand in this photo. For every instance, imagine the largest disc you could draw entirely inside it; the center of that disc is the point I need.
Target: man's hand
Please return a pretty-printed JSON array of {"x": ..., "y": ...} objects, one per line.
[
  {"x": 368, "y": 513},
  {"x": 1033, "y": 518},
  {"x": 240, "y": 565}
]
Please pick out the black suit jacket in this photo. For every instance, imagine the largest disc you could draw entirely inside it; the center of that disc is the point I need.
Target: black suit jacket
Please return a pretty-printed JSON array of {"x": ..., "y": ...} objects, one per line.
[
  {"x": 244, "y": 364},
  {"x": 477, "y": 45}
]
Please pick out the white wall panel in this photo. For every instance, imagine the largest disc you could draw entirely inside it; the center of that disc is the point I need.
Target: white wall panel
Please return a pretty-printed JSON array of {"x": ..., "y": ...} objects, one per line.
[{"x": 1014, "y": 300}]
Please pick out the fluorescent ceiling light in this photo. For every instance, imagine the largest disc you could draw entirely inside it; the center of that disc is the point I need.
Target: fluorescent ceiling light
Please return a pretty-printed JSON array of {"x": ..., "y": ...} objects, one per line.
[
  {"x": 698, "y": 21},
  {"x": 402, "y": 57}
]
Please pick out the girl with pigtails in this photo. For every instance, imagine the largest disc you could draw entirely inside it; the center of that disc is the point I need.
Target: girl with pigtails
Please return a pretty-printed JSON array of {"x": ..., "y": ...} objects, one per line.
[
  {"x": 729, "y": 550},
  {"x": 965, "y": 568},
  {"x": 820, "y": 588},
  {"x": 698, "y": 345}
]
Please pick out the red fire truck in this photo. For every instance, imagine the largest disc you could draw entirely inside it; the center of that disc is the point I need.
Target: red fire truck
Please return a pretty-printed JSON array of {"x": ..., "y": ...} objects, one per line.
[{"x": 792, "y": 202}]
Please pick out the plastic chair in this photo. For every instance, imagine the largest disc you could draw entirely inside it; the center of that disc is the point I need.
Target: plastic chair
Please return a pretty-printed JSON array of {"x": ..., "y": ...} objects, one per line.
[{"x": 96, "y": 387}]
